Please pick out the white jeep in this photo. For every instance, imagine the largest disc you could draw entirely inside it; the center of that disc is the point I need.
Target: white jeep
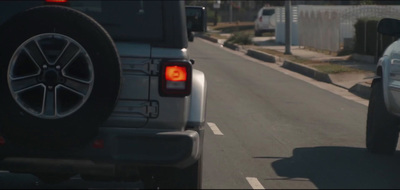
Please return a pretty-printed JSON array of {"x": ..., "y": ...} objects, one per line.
[{"x": 104, "y": 89}]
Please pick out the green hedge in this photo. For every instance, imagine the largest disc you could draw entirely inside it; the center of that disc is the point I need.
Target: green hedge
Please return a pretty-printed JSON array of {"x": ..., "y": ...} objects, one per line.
[{"x": 365, "y": 37}]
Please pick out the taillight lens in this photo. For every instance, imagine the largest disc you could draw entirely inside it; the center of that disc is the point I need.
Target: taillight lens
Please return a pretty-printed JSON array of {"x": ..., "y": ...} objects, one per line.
[
  {"x": 176, "y": 78},
  {"x": 175, "y": 73},
  {"x": 56, "y": 1},
  {"x": 260, "y": 19}
]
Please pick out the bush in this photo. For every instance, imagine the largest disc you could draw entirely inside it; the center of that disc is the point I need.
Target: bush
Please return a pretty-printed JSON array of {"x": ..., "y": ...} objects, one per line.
[{"x": 242, "y": 38}]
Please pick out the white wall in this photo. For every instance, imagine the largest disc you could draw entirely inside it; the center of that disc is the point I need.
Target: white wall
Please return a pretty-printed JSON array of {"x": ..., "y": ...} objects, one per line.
[{"x": 327, "y": 27}]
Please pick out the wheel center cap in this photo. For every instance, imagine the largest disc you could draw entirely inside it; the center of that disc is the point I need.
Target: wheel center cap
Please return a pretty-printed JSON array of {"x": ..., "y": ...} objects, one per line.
[{"x": 51, "y": 77}]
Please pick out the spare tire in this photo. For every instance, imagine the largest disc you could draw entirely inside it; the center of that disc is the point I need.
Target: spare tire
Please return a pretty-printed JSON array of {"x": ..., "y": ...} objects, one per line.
[{"x": 60, "y": 77}]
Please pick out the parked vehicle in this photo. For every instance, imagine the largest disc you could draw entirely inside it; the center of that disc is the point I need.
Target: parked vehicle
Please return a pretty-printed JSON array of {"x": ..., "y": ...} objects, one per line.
[
  {"x": 265, "y": 21},
  {"x": 383, "y": 119},
  {"x": 194, "y": 22},
  {"x": 91, "y": 88}
]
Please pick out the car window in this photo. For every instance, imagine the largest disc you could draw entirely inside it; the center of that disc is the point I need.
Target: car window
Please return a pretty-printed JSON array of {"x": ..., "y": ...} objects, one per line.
[
  {"x": 127, "y": 20},
  {"x": 268, "y": 12}
]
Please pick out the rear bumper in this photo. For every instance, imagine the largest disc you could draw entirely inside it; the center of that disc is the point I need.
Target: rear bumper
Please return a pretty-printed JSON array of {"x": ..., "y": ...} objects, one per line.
[{"x": 122, "y": 147}]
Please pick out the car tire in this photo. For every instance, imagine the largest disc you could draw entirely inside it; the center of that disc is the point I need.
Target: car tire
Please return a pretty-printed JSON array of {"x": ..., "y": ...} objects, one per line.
[
  {"x": 382, "y": 131},
  {"x": 59, "y": 77},
  {"x": 173, "y": 178}
]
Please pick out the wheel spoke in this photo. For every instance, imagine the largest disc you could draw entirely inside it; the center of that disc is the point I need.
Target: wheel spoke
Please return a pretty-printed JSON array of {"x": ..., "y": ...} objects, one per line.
[
  {"x": 79, "y": 68},
  {"x": 23, "y": 83},
  {"x": 69, "y": 53},
  {"x": 49, "y": 106},
  {"x": 35, "y": 53},
  {"x": 77, "y": 86}
]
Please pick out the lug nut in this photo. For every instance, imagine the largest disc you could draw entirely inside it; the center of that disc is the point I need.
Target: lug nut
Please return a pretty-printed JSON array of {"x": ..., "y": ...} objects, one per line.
[
  {"x": 58, "y": 67},
  {"x": 44, "y": 66}
]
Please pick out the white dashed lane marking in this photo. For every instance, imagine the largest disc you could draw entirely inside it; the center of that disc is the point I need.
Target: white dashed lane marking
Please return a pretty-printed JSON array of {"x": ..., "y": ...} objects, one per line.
[
  {"x": 255, "y": 184},
  {"x": 214, "y": 129}
]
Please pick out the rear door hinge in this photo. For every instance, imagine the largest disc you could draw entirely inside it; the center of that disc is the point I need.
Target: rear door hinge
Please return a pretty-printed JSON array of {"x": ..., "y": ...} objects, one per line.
[
  {"x": 154, "y": 67},
  {"x": 152, "y": 109}
]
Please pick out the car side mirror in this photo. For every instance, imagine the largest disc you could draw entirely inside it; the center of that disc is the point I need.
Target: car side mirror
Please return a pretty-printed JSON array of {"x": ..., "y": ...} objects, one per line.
[
  {"x": 196, "y": 18},
  {"x": 389, "y": 26}
]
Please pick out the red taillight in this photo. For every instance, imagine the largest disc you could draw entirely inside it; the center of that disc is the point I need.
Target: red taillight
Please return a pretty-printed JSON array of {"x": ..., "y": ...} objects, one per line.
[
  {"x": 260, "y": 19},
  {"x": 175, "y": 73},
  {"x": 56, "y": 1},
  {"x": 176, "y": 78}
]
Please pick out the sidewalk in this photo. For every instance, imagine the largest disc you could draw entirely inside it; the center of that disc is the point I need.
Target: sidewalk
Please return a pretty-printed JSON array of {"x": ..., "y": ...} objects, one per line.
[{"x": 353, "y": 81}]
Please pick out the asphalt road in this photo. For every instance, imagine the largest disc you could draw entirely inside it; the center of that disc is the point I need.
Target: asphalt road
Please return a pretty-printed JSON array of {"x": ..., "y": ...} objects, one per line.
[
  {"x": 272, "y": 129},
  {"x": 282, "y": 130}
]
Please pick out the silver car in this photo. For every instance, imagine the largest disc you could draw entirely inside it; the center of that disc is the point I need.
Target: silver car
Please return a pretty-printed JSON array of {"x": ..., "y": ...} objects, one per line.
[
  {"x": 265, "y": 21},
  {"x": 383, "y": 119}
]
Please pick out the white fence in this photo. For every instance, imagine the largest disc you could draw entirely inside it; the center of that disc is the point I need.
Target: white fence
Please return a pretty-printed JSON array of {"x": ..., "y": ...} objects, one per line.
[{"x": 328, "y": 27}]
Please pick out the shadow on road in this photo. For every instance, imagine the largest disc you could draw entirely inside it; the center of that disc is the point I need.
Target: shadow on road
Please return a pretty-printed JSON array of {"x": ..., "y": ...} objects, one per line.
[{"x": 341, "y": 167}]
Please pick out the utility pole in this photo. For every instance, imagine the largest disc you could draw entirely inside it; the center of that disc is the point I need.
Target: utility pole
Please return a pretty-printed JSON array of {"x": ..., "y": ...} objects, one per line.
[
  {"x": 216, "y": 6},
  {"x": 230, "y": 12},
  {"x": 288, "y": 23}
]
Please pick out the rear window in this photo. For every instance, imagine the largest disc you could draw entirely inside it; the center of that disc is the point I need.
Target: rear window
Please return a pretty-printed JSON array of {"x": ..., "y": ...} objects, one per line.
[
  {"x": 137, "y": 20},
  {"x": 268, "y": 12}
]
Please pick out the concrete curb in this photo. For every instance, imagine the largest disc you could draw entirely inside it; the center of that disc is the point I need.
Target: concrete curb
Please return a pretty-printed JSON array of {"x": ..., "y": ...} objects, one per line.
[
  {"x": 232, "y": 46},
  {"x": 261, "y": 56},
  {"x": 211, "y": 39},
  {"x": 307, "y": 71},
  {"x": 361, "y": 89}
]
